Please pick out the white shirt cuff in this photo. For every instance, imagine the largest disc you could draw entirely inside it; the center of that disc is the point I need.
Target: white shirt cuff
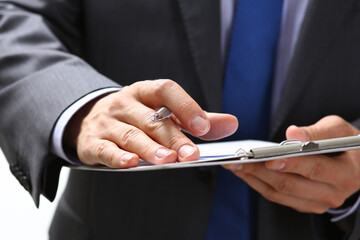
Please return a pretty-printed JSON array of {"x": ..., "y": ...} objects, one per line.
[
  {"x": 57, "y": 136},
  {"x": 343, "y": 213}
]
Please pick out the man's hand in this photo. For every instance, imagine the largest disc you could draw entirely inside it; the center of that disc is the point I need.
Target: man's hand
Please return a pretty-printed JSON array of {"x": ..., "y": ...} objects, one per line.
[
  {"x": 117, "y": 129},
  {"x": 312, "y": 183}
]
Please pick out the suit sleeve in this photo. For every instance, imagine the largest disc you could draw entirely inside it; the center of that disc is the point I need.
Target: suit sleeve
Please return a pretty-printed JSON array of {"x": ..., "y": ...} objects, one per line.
[{"x": 40, "y": 76}]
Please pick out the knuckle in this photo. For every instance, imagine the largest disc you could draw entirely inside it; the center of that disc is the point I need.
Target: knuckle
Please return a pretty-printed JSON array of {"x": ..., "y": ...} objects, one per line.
[
  {"x": 101, "y": 150},
  {"x": 283, "y": 185},
  {"x": 117, "y": 105},
  {"x": 330, "y": 200},
  {"x": 317, "y": 170},
  {"x": 251, "y": 169},
  {"x": 163, "y": 86},
  {"x": 85, "y": 153},
  {"x": 152, "y": 127},
  {"x": 128, "y": 88},
  {"x": 146, "y": 149},
  {"x": 131, "y": 89},
  {"x": 340, "y": 125},
  {"x": 337, "y": 120},
  {"x": 128, "y": 136},
  {"x": 112, "y": 159},
  {"x": 102, "y": 123},
  {"x": 334, "y": 118},
  {"x": 335, "y": 202},
  {"x": 186, "y": 106},
  {"x": 175, "y": 140}
]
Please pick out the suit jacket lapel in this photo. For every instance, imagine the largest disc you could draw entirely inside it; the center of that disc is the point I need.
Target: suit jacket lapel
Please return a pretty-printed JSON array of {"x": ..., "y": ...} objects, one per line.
[
  {"x": 321, "y": 23},
  {"x": 202, "y": 24}
]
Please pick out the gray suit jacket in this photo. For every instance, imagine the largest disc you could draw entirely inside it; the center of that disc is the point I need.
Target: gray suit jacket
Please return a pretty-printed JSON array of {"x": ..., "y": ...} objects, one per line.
[{"x": 54, "y": 52}]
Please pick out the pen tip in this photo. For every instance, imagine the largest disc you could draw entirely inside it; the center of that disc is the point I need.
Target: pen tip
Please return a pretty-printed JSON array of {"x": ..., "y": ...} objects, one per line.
[{"x": 155, "y": 117}]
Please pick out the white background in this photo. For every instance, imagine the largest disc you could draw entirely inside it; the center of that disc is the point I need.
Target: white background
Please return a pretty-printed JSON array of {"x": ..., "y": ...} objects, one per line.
[{"x": 19, "y": 218}]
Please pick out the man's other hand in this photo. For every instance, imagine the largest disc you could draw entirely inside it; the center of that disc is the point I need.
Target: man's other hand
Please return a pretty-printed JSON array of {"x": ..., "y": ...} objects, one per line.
[{"x": 311, "y": 183}]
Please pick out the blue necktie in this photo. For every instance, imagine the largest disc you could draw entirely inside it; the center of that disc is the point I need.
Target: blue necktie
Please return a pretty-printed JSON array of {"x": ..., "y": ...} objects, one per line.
[{"x": 246, "y": 94}]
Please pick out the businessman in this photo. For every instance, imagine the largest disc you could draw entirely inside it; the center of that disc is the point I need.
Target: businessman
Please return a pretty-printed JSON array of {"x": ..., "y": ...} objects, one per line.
[{"x": 62, "y": 65}]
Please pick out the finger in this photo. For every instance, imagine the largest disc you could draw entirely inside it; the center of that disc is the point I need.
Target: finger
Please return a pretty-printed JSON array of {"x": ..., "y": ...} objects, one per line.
[
  {"x": 164, "y": 132},
  {"x": 316, "y": 167},
  {"x": 338, "y": 171},
  {"x": 134, "y": 140},
  {"x": 272, "y": 194},
  {"x": 295, "y": 185},
  {"x": 222, "y": 125},
  {"x": 170, "y": 94},
  {"x": 109, "y": 154}
]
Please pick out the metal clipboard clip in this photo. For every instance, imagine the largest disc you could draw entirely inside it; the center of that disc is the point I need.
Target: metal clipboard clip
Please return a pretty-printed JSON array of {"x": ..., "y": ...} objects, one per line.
[{"x": 293, "y": 148}]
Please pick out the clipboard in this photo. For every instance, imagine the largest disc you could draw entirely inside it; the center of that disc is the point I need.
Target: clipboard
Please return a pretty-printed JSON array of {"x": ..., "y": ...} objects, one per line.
[{"x": 261, "y": 152}]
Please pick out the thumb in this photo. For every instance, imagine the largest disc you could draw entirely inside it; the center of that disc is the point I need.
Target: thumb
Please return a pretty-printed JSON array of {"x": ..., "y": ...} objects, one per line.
[
  {"x": 222, "y": 125},
  {"x": 299, "y": 133},
  {"x": 327, "y": 127}
]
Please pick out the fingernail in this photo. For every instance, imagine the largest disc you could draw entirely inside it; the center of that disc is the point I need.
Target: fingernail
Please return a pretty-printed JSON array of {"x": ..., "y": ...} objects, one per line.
[
  {"x": 126, "y": 157},
  {"x": 199, "y": 124},
  {"x": 163, "y": 152},
  {"x": 186, "y": 150},
  {"x": 276, "y": 165},
  {"x": 235, "y": 167}
]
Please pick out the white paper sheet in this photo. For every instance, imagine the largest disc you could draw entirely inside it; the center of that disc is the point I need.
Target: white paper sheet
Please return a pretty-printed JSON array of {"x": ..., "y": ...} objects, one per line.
[{"x": 209, "y": 153}]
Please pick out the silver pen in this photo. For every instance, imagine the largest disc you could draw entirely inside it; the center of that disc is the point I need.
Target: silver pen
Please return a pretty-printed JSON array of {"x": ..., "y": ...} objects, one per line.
[{"x": 161, "y": 114}]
